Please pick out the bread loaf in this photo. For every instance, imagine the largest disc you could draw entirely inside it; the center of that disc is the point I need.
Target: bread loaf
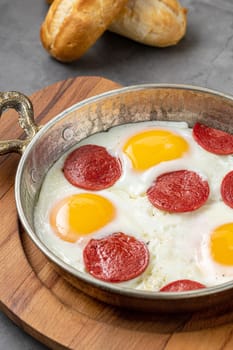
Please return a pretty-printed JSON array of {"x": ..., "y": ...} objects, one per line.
[
  {"x": 71, "y": 27},
  {"x": 151, "y": 22}
]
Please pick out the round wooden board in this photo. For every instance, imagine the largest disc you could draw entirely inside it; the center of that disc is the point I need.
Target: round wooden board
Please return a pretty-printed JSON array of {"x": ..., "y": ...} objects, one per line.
[{"x": 34, "y": 296}]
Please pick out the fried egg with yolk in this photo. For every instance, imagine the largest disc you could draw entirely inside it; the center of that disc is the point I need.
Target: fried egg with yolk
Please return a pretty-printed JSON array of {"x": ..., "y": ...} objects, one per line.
[
  {"x": 151, "y": 147},
  {"x": 80, "y": 214}
]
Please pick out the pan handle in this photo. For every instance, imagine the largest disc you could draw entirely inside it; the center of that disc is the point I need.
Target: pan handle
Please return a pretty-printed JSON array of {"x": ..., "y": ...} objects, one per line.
[{"x": 21, "y": 103}]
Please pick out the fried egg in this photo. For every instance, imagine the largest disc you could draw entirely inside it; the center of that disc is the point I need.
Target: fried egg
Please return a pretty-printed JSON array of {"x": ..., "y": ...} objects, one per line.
[{"x": 181, "y": 245}]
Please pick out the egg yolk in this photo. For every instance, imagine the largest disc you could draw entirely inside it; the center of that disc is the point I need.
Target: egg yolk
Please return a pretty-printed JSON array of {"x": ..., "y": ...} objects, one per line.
[
  {"x": 80, "y": 215},
  {"x": 221, "y": 244},
  {"x": 152, "y": 147}
]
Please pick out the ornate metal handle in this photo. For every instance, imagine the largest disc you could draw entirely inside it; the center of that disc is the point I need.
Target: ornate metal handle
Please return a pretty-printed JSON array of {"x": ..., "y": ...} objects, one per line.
[{"x": 23, "y": 106}]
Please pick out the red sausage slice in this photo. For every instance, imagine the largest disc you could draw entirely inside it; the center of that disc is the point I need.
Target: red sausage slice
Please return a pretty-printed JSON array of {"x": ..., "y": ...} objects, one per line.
[
  {"x": 116, "y": 258},
  {"x": 178, "y": 191},
  {"x": 91, "y": 167},
  {"x": 182, "y": 286},
  {"x": 227, "y": 189},
  {"x": 213, "y": 140}
]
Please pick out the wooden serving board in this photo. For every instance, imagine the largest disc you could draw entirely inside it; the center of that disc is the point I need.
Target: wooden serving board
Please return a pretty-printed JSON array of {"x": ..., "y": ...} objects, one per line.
[{"x": 35, "y": 297}]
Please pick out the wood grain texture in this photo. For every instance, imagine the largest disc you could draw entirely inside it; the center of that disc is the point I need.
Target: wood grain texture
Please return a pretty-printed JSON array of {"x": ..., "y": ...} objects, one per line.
[{"x": 34, "y": 296}]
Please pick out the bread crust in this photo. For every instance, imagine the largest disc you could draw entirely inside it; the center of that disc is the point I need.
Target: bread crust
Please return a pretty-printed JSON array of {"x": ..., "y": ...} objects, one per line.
[
  {"x": 71, "y": 27},
  {"x": 152, "y": 22}
]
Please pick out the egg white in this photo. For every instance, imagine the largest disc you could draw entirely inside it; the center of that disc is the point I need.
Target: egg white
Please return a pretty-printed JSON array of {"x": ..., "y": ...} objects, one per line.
[{"x": 178, "y": 243}]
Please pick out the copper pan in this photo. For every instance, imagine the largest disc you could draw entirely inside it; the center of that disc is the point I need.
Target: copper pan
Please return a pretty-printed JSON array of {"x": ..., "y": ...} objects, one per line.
[{"x": 44, "y": 145}]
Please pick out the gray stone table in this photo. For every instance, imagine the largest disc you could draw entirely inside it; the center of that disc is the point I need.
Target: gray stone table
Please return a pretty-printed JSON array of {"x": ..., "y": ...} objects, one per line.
[{"x": 204, "y": 57}]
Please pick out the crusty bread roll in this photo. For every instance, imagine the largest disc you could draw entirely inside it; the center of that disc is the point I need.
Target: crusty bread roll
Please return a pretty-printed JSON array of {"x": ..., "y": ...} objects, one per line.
[
  {"x": 71, "y": 27},
  {"x": 151, "y": 22}
]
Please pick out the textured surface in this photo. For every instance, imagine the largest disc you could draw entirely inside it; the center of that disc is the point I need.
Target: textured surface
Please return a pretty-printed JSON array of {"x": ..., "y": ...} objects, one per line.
[{"x": 203, "y": 58}]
